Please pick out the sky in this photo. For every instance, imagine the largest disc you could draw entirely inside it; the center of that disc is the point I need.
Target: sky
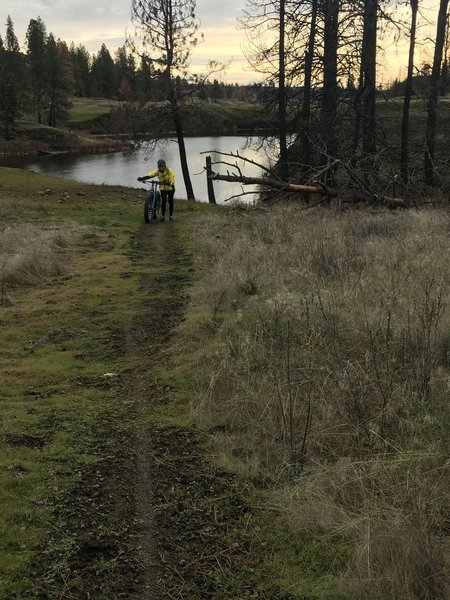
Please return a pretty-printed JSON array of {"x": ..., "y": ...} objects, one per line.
[{"x": 94, "y": 22}]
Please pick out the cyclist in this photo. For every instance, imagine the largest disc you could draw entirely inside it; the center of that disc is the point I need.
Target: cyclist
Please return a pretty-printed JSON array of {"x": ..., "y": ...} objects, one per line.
[{"x": 166, "y": 185}]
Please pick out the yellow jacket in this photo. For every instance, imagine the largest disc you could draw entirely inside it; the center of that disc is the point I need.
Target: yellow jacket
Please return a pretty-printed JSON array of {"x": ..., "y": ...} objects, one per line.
[{"x": 166, "y": 178}]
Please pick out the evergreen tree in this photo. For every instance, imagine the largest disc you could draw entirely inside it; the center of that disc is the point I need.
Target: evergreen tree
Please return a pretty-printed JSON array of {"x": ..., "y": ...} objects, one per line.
[
  {"x": 12, "y": 80},
  {"x": 12, "y": 45},
  {"x": 36, "y": 41},
  {"x": 103, "y": 75},
  {"x": 125, "y": 66},
  {"x": 145, "y": 78},
  {"x": 216, "y": 92},
  {"x": 57, "y": 83},
  {"x": 81, "y": 69}
]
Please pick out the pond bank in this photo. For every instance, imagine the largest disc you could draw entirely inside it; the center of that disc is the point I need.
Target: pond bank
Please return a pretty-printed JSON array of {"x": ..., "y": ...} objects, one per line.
[{"x": 69, "y": 144}]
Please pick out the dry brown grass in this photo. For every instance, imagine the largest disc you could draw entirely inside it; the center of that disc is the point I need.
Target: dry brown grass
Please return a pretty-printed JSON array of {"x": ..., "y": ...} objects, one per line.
[
  {"x": 32, "y": 255},
  {"x": 330, "y": 365},
  {"x": 391, "y": 508}
]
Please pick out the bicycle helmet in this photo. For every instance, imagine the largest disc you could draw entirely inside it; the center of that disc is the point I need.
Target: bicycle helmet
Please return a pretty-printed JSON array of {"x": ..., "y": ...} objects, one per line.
[{"x": 161, "y": 163}]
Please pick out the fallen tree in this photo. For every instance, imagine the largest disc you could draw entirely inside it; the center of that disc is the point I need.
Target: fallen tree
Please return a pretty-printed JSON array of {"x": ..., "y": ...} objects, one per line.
[{"x": 274, "y": 182}]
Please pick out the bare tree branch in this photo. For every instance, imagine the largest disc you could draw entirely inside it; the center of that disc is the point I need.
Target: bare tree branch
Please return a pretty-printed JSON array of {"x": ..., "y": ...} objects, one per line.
[{"x": 274, "y": 182}]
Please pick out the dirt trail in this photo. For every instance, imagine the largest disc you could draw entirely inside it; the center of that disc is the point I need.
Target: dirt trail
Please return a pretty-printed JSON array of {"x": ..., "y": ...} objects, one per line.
[
  {"x": 187, "y": 509},
  {"x": 148, "y": 515}
]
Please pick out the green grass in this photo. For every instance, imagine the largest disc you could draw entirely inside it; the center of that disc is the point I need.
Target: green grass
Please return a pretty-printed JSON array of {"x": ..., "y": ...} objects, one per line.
[
  {"x": 88, "y": 110},
  {"x": 224, "y": 114},
  {"x": 232, "y": 115},
  {"x": 59, "y": 339}
]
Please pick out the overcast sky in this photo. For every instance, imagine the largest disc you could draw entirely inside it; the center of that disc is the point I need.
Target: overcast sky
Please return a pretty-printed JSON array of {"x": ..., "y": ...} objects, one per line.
[{"x": 94, "y": 22}]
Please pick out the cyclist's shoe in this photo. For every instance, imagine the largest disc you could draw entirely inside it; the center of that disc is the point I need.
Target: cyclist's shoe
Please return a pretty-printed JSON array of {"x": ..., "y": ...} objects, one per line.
[
  {"x": 170, "y": 218},
  {"x": 162, "y": 218}
]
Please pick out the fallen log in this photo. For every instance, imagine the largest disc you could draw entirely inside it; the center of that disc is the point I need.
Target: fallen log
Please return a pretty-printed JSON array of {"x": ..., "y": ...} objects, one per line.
[
  {"x": 53, "y": 152},
  {"x": 318, "y": 188},
  {"x": 273, "y": 183}
]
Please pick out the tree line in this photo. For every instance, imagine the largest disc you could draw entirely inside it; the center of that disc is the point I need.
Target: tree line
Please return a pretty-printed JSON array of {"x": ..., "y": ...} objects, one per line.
[
  {"x": 330, "y": 51},
  {"x": 41, "y": 79},
  {"x": 319, "y": 60}
]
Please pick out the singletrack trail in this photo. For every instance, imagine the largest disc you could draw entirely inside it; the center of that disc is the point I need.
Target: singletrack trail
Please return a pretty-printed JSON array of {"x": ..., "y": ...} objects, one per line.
[
  {"x": 144, "y": 514},
  {"x": 186, "y": 508}
]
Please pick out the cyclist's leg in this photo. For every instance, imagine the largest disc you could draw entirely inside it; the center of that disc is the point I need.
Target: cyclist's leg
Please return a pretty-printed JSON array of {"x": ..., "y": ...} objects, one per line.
[
  {"x": 163, "y": 203},
  {"x": 170, "y": 196}
]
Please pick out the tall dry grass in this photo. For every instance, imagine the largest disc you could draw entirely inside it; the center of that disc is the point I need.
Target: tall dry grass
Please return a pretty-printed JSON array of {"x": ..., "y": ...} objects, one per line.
[
  {"x": 330, "y": 369},
  {"x": 32, "y": 255}
]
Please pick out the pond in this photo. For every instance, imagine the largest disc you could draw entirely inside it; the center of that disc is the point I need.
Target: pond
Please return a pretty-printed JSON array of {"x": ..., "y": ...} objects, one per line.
[{"x": 123, "y": 168}]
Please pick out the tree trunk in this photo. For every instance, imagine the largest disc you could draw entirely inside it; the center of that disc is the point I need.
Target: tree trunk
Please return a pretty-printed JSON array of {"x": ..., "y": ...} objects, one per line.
[
  {"x": 305, "y": 122},
  {"x": 434, "y": 91},
  {"x": 319, "y": 189},
  {"x": 182, "y": 150},
  {"x": 330, "y": 86},
  {"x": 368, "y": 69},
  {"x": 179, "y": 133},
  {"x": 284, "y": 167},
  {"x": 404, "y": 158}
]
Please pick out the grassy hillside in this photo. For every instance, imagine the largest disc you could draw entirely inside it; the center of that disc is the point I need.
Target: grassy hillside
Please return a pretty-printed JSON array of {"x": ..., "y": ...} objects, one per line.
[
  {"x": 88, "y": 110},
  {"x": 198, "y": 117},
  {"x": 248, "y": 402}
]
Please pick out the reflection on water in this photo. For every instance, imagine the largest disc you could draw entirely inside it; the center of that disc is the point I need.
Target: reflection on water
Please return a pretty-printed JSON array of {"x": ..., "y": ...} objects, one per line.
[{"x": 123, "y": 168}]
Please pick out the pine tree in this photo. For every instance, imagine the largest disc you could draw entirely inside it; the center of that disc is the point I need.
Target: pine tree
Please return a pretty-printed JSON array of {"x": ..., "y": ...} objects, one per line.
[
  {"x": 36, "y": 40},
  {"x": 145, "y": 78},
  {"x": 12, "y": 80},
  {"x": 167, "y": 30},
  {"x": 125, "y": 73},
  {"x": 103, "y": 74},
  {"x": 81, "y": 69},
  {"x": 57, "y": 82}
]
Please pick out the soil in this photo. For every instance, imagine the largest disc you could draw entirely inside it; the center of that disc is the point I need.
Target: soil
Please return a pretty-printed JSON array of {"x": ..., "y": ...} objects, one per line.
[{"x": 152, "y": 517}]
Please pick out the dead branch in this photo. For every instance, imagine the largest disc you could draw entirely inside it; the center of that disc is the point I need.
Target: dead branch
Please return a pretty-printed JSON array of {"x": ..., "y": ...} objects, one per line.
[
  {"x": 243, "y": 158},
  {"x": 276, "y": 183}
]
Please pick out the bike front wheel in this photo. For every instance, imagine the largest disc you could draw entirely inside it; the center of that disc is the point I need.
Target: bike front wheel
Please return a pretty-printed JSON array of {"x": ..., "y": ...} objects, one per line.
[{"x": 150, "y": 208}]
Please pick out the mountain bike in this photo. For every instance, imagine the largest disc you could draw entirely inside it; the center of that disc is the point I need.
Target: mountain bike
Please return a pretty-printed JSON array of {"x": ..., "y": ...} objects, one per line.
[{"x": 152, "y": 202}]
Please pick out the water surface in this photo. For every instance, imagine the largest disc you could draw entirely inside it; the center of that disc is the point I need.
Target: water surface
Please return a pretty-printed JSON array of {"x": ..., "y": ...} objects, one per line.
[{"x": 123, "y": 168}]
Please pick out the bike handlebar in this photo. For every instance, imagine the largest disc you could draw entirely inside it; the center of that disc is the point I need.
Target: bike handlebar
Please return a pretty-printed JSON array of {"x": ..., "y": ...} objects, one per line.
[{"x": 150, "y": 180}]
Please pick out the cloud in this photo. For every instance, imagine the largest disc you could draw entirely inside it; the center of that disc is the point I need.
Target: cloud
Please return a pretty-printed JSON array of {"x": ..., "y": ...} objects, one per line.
[{"x": 107, "y": 21}]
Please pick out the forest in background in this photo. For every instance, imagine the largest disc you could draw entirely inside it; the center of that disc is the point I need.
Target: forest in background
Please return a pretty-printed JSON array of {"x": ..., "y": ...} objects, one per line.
[{"x": 319, "y": 65}]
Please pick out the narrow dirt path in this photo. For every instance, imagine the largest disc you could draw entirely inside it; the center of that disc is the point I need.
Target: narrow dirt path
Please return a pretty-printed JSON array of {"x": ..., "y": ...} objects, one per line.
[
  {"x": 145, "y": 514},
  {"x": 187, "y": 509}
]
